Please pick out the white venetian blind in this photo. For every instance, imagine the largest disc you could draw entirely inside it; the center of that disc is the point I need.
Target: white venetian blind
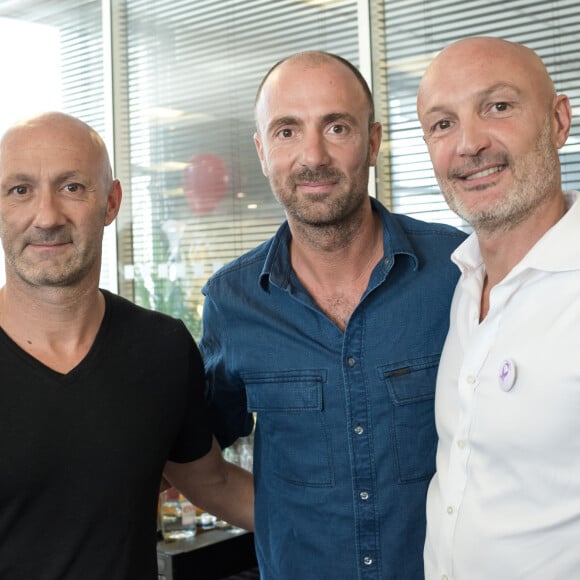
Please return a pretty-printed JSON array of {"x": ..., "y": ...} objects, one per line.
[
  {"x": 198, "y": 198},
  {"x": 408, "y": 33}
]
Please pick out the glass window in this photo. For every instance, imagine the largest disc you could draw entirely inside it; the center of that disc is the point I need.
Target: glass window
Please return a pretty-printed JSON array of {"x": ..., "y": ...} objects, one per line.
[
  {"x": 197, "y": 194},
  {"x": 179, "y": 79}
]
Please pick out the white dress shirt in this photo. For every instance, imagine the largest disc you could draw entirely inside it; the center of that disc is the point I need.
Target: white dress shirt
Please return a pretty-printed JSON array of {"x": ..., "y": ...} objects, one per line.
[{"x": 505, "y": 502}]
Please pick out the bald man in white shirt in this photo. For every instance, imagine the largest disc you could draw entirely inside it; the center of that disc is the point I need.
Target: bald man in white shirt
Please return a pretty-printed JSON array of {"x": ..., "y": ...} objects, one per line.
[{"x": 505, "y": 501}]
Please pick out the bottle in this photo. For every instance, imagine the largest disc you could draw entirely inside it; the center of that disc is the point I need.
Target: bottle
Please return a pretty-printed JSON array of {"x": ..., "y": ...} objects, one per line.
[{"x": 177, "y": 515}]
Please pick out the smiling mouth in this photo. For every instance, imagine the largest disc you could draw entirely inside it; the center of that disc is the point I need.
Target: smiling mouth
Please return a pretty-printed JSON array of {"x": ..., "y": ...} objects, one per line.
[{"x": 484, "y": 173}]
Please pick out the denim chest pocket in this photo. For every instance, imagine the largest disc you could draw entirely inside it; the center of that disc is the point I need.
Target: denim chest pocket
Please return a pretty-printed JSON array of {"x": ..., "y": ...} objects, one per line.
[
  {"x": 294, "y": 442},
  {"x": 411, "y": 390}
]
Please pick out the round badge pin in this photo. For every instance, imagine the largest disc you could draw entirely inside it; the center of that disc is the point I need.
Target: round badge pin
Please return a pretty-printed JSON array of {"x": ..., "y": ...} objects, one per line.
[{"x": 507, "y": 374}]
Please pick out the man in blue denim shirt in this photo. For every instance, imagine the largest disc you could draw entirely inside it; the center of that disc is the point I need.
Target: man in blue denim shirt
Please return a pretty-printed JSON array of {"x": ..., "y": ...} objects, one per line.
[{"x": 331, "y": 333}]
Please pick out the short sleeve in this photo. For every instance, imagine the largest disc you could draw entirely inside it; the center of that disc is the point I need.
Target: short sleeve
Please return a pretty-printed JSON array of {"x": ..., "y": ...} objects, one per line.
[{"x": 194, "y": 438}]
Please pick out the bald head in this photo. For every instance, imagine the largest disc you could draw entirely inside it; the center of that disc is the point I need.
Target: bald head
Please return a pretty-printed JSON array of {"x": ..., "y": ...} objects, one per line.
[
  {"x": 493, "y": 125},
  {"x": 58, "y": 130},
  {"x": 468, "y": 61},
  {"x": 317, "y": 59},
  {"x": 58, "y": 195}
]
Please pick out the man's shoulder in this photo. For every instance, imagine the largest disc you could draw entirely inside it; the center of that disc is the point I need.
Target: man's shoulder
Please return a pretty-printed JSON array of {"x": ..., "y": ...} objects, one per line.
[
  {"x": 415, "y": 227},
  {"x": 133, "y": 316},
  {"x": 428, "y": 240},
  {"x": 246, "y": 266},
  {"x": 404, "y": 228}
]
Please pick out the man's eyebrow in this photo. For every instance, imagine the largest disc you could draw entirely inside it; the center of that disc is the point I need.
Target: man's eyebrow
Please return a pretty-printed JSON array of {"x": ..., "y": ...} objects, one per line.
[
  {"x": 13, "y": 179},
  {"x": 328, "y": 118},
  {"x": 66, "y": 175},
  {"x": 500, "y": 87},
  {"x": 331, "y": 117},
  {"x": 436, "y": 109},
  {"x": 18, "y": 177},
  {"x": 28, "y": 178},
  {"x": 481, "y": 95},
  {"x": 281, "y": 121}
]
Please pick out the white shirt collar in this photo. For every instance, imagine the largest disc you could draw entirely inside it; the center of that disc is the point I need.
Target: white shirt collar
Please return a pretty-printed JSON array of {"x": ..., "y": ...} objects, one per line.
[{"x": 557, "y": 250}]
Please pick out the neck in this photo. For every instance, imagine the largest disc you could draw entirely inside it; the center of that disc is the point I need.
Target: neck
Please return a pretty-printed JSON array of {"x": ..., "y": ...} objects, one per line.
[
  {"x": 329, "y": 255},
  {"x": 502, "y": 251},
  {"x": 56, "y": 326},
  {"x": 337, "y": 275}
]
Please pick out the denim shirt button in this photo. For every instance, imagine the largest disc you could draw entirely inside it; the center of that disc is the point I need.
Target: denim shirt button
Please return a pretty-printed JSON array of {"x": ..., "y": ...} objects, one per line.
[
  {"x": 359, "y": 430},
  {"x": 367, "y": 560},
  {"x": 364, "y": 495},
  {"x": 351, "y": 361}
]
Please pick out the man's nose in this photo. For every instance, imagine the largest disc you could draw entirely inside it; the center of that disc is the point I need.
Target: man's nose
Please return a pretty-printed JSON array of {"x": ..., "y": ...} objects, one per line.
[
  {"x": 315, "y": 150},
  {"x": 48, "y": 211},
  {"x": 473, "y": 137}
]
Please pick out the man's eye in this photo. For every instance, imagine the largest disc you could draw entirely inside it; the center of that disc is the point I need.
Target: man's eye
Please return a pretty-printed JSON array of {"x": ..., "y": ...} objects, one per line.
[
  {"x": 337, "y": 129},
  {"x": 501, "y": 107},
  {"x": 442, "y": 125},
  {"x": 285, "y": 133},
  {"x": 72, "y": 187},
  {"x": 19, "y": 190}
]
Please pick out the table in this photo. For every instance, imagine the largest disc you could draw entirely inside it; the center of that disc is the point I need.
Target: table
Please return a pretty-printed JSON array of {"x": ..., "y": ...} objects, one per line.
[{"x": 211, "y": 555}]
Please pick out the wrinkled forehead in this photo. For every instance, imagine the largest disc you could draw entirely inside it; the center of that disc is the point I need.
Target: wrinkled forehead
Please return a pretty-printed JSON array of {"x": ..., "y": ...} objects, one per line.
[
  {"x": 31, "y": 148},
  {"x": 46, "y": 137},
  {"x": 472, "y": 66},
  {"x": 306, "y": 88}
]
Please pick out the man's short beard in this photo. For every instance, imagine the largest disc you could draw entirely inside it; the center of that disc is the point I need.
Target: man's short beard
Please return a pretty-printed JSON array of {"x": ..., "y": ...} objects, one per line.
[{"x": 525, "y": 197}]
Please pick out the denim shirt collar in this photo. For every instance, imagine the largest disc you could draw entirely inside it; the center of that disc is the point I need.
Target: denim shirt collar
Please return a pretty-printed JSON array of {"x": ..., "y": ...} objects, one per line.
[{"x": 277, "y": 269}]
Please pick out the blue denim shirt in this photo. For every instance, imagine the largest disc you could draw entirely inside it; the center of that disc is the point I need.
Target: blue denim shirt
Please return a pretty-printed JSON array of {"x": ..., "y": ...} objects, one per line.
[{"x": 345, "y": 437}]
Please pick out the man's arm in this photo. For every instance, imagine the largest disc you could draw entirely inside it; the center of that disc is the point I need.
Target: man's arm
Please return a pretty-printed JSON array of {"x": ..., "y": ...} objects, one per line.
[
  {"x": 225, "y": 390},
  {"x": 217, "y": 486}
]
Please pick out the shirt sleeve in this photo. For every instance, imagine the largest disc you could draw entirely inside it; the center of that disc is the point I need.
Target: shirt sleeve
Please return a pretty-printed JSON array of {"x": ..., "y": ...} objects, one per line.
[
  {"x": 225, "y": 391},
  {"x": 195, "y": 436}
]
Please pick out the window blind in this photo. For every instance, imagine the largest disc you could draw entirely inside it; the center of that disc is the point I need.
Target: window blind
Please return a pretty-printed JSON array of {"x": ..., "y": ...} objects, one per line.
[
  {"x": 198, "y": 196},
  {"x": 184, "y": 79}
]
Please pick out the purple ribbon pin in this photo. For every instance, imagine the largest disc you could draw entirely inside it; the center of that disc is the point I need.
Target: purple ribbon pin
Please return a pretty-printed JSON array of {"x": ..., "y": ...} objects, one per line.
[{"x": 507, "y": 374}]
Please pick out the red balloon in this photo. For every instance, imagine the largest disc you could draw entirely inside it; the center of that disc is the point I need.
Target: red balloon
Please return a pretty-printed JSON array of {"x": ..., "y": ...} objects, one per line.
[{"x": 205, "y": 182}]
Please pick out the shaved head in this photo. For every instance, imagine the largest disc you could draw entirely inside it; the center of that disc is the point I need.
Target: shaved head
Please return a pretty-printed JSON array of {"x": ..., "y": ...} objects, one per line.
[
  {"x": 493, "y": 124},
  {"x": 316, "y": 59},
  {"x": 60, "y": 126},
  {"x": 467, "y": 58}
]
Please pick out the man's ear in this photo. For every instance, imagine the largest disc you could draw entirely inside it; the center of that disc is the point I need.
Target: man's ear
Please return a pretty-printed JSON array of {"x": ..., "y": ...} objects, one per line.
[
  {"x": 375, "y": 137},
  {"x": 260, "y": 150},
  {"x": 562, "y": 116},
  {"x": 113, "y": 201}
]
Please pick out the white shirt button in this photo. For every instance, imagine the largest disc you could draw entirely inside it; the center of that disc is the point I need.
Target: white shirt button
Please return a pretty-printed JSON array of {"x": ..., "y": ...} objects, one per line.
[
  {"x": 461, "y": 444},
  {"x": 470, "y": 379},
  {"x": 450, "y": 510},
  {"x": 444, "y": 577}
]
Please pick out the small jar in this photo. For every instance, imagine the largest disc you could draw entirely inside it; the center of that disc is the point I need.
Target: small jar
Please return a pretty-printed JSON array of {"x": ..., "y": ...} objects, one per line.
[{"x": 176, "y": 515}]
